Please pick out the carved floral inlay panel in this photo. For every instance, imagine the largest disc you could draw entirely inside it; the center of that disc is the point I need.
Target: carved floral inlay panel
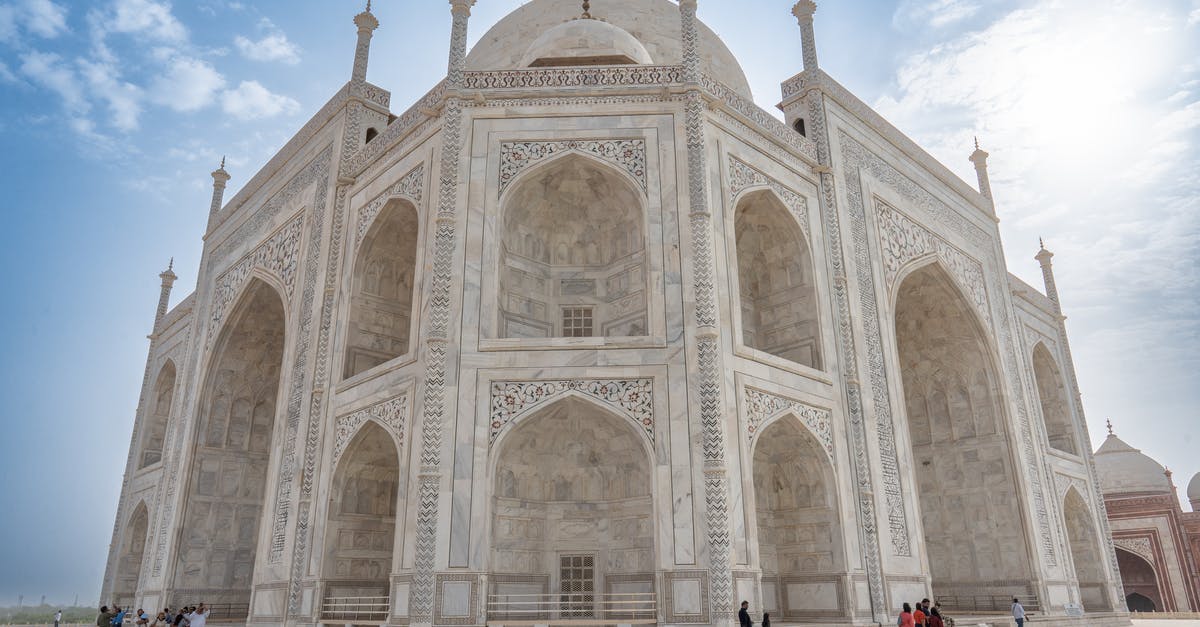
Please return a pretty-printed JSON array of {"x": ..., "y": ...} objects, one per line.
[
  {"x": 277, "y": 256},
  {"x": 905, "y": 240},
  {"x": 1140, "y": 546},
  {"x": 511, "y": 399},
  {"x": 392, "y": 413},
  {"x": 742, "y": 175},
  {"x": 627, "y": 154},
  {"x": 411, "y": 186},
  {"x": 762, "y": 406}
]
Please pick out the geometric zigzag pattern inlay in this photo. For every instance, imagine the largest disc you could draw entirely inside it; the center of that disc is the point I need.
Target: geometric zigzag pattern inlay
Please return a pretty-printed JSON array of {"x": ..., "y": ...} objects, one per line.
[
  {"x": 743, "y": 175},
  {"x": 512, "y": 399},
  {"x": 858, "y": 158},
  {"x": 392, "y": 414},
  {"x": 904, "y": 240},
  {"x": 762, "y": 406},
  {"x": 277, "y": 255},
  {"x": 627, "y": 154},
  {"x": 411, "y": 187}
]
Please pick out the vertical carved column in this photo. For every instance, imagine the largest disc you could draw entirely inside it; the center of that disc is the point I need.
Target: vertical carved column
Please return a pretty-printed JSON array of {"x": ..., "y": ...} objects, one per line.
[
  {"x": 164, "y": 295},
  {"x": 716, "y": 477},
  {"x": 437, "y": 347},
  {"x": 366, "y": 24},
  {"x": 869, "y": 530},
  {"x": 220, "y": 178},
  {"x": 804, "y": 11},
  {"x": 979, "y": 159}
]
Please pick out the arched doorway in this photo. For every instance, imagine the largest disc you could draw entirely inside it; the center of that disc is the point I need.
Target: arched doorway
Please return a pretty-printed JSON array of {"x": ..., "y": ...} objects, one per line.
[
  {"x": 1056, "y": 411},
  {"x": 360, "y": 529},
  {"x": 133, "y": 550},
  {"x": 1140, "y": 581},
  {"x": 229, "y": 472},
  {"x": 383, "y": 289},
  {"x": 573, "y": 254},
  {"x": 1085, "y": 553},
  {"x": 775, "y": 281},
  {"x": 798, "y": 537},
  {"x": 157, "y": 416},
  {"x": 971, "y": 516},
  {"x": 572, "y": 517}
]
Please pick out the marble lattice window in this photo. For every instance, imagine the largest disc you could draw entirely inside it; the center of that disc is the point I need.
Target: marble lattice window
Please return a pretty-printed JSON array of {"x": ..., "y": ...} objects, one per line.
[{"x": 577, "y": 322}]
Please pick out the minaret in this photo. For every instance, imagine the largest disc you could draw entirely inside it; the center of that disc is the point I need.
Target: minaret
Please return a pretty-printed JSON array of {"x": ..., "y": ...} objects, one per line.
[
  {"x": 366, "y": 24},
  {"x": 164, "y": 295},
  {"x": 1043, "y": 258},
  {"x": 979, "y": 158},
  {"x": 804, "y": 11},
  {"x": 220, "y": 178}
]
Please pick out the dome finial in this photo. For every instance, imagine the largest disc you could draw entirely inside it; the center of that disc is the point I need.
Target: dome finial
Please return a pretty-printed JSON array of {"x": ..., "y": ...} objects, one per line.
[
  {"x": 587, "y": 6},
  {"x": 1108, "y": 423}
]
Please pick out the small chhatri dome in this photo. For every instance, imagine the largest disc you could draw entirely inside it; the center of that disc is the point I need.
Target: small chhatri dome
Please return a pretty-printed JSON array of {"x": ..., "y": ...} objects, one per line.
[
  {"x": 1193, "y": 489},
  {"x": 1124, "y": 469},
  {"x": 585, "y": 41}
]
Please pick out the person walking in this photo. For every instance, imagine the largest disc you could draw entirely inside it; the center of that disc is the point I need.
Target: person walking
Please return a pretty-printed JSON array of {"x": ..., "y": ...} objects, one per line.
[
  {"x": 1018, "y": 612},
  {"x": 744, "y": 615},
  {"x": 906, "y": 617},
  {"x": 57, "y": 618},
  {"x": 766, "y": 620}
]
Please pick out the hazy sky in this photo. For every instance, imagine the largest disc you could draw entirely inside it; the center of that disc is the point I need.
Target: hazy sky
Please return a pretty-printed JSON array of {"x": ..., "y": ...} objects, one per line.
[{"x": 113, "y": 113}]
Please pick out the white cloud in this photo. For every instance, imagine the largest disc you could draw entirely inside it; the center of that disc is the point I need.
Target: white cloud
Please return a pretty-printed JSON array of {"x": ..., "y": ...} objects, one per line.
[
  {"x": 146, "y": 17},
  {"x": 49, "y": 71},
  {"x": 274, "y": 46},
  {"x": 252, "y": 101},
  {"x": 8, "y": 22},
  {"x": 188, "y": 84},
  {"x": 123, "y": 98},
  {"x": 935, "y": 13},
  {"x": 6, "y": 75},
  {"x": 44, "y": 18}
]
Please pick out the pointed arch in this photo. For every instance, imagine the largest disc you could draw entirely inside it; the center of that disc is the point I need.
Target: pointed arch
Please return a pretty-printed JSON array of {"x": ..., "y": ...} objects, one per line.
[
  {"x": 361, "y": 518},
  {"x": 158, "y": 415},
  {"x": 235, "y": 427},
  {"x": 632, "y": 420},
  {"x": 572, "y": 260},
  {"x": 383, "y": 288},
  {"x": 1142, "y": 582},
  {"x": 1086, "y": 552},
  {"x": 961, "y": 453},
  {"x": 775, "y": 278},
  {"x": 796, "y": 515},
  {"x": 133, "y": 548},
  {"x": 1052, "y": 395}
]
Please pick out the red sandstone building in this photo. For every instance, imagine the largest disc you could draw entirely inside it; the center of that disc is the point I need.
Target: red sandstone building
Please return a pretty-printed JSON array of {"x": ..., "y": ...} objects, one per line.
[{"x": 1157, "y": 543}]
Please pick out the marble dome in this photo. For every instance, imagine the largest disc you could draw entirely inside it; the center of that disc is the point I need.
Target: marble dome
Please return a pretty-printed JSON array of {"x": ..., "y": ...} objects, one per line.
[
  {"x": 654, "y": 24},
  {"x": 1193, "y": 489},
  {"x": 1124, "y": 469},
  {"x": 585, "y": 42}
]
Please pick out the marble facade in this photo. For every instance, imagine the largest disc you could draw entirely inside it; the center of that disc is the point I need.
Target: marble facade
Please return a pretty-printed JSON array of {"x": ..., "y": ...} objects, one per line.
[{"x": 585, "y": 322}]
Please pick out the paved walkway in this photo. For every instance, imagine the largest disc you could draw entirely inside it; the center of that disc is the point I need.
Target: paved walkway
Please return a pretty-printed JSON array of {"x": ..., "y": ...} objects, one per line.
[{"x": 1170, "y": 622}]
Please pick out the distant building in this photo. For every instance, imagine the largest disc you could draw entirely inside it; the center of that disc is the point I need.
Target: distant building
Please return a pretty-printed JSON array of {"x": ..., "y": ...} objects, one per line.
[{"x": 1157, "y": 543}]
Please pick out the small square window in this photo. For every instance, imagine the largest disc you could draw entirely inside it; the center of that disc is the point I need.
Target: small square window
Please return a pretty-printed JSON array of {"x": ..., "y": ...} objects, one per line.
[{"x": 577, "y": 322}]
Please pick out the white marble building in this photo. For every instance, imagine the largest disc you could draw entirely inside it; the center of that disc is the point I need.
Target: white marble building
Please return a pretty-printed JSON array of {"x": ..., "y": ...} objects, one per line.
[{"x": 584, "y": 334}]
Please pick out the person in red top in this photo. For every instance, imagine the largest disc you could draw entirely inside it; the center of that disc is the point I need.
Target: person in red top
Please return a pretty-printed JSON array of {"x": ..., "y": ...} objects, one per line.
[
  {"x": 918, "y": 616},
  {"x": 906, "y": 617}
]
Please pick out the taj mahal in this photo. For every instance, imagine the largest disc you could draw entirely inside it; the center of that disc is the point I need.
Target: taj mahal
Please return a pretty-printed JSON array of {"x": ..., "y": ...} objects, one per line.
[{"x": 586, "y": 337}]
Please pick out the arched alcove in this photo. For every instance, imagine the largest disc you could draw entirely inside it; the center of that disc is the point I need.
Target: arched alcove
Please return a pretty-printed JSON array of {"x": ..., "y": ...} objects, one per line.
[
  {"x": 971, "y": 515},
  {"x": 360, "y": 529},
  {"x": 795, "y": 506},
  {"x": 1140, "y": 581},
  {"x": 572, "y": 510},
  {"x": 229, "y": 471},
  {"x": 382, "y": 289},
  {"x": 158, "y": 414},
  {"x": 1052, "y": 393},
  {"x": 1086, "y": 553},
  {"x": 572, "y": 253},
  {"x": 1140, "y": 603},
  {"x": 775, "y": 280},
  {"x": 133, "y": 549}
]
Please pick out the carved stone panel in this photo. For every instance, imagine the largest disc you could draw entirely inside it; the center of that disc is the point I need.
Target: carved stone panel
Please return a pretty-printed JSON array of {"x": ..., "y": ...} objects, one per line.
[
  {"x": 392, "y": 413},
  {"x": 631, "y": 397},
  {"x": 762, "y": 406},
  {"x": 627, "y": 154}
]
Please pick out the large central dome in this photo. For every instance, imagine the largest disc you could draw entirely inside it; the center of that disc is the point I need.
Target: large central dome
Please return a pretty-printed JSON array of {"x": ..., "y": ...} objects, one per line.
[{"x": 653, "y": 23}]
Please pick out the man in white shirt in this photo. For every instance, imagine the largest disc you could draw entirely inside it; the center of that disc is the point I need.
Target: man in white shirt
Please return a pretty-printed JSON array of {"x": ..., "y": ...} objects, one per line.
[
  {"x": 57, "y": 618},
  {"x": 198, "y": 617},
  {"x": 1018, "y": 611}
]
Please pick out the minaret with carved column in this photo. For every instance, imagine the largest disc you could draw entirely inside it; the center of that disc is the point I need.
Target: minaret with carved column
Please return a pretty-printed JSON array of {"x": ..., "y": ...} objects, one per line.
[
  {"x": 366, "y": 23},
  {"x": 805, "y": 100},
  {"x": 708, "y": 368},
  {"x": 164, "y": 295},
  {"x": 979, "y": 159},
  {"x": 220, "y": 178},
  {"x": 439, "y": 350}
]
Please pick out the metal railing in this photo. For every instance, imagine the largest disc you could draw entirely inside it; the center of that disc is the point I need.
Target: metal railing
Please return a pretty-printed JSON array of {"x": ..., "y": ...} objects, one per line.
[
  {"x": 372, "y": 609},
  {"x": 981, "y": 603},
  {"x": 574, "y": 607}
]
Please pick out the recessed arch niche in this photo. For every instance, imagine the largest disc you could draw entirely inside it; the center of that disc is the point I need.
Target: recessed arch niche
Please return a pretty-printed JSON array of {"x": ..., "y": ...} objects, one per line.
[
  {"x": 572, "y": 509},
  {"x": 1142, "y": 590},
  {"x": 383, "y": 289},
  {"x": 132, "y": 552},
  {"x": 1052, "y": 393},
  {"x": 776, "y": 288},
  {"x": 1085, "y": 553},
  {"x": 971, "y": 515},
  {"x": 572, "y": 259},
  {"x": 228, "y": 479},
  {"x": 158, "y": 415},
  {"x": 796, "y": 511},
  {"x": 360, "y": 530}
]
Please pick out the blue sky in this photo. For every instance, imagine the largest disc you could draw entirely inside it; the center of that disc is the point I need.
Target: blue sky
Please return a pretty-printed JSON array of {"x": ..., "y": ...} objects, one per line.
[{"x": 115, "y": 111}]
